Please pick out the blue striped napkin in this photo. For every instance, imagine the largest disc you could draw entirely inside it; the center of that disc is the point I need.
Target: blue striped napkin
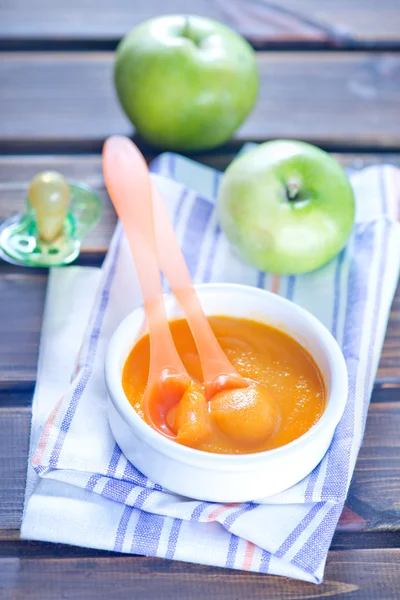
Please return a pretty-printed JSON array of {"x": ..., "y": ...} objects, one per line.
[{"x": 82, "y": 490}]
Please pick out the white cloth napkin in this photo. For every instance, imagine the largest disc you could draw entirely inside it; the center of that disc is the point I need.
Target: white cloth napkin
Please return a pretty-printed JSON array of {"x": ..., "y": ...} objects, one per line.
[{"x": 81, "y": 489}]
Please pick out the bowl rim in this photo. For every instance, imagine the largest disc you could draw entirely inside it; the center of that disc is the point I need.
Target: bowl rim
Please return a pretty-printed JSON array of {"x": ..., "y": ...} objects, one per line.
[{"x": 216, "y": 461}]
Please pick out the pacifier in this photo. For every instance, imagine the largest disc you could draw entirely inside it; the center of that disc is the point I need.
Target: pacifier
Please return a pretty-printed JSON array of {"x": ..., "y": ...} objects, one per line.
[{"x": 58, "y": 215}]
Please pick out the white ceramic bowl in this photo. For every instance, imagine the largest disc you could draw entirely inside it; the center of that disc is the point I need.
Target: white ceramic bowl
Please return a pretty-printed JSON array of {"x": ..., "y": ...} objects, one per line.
[{"x": 224, "y": 477}]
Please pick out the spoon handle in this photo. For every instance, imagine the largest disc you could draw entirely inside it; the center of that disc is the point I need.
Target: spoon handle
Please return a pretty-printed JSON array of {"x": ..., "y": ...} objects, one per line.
[{"x": 218, "y": 372}]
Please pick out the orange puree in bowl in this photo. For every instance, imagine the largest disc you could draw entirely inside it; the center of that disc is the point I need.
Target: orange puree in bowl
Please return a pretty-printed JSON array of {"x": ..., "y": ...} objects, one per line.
[{"x": 285, "y": 398}]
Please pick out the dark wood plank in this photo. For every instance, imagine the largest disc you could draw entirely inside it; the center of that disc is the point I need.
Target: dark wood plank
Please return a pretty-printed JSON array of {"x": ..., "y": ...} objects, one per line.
[
  {"x": 389, "y": 368},
  {"x": 374, "y": 492},
  {"x": 57, "y": 101},
  {"x": 23, "y": 290},
  {"x": 17, "y": 171},
  {"x": 332, "y": 23},
  {"x": 372, "y": 504},
  {"x": 342, "y": 540},
  {"x": 23, "y": 296},
  {"x": 354, "y": 575},
  {"x": 22, "y": 301},
  {"x": 14, "y": 444}
]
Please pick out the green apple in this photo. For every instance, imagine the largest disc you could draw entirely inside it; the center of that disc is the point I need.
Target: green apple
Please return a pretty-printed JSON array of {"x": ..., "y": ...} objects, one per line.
[
  {"x": 185, "y": 82},
  {"x": 287, "y": 206}
]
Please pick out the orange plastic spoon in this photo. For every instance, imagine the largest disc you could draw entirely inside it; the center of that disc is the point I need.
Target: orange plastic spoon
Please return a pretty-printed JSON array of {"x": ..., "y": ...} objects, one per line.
[
  {"x": 128, "y": 184},
  {"x": 218, "y": 372}
]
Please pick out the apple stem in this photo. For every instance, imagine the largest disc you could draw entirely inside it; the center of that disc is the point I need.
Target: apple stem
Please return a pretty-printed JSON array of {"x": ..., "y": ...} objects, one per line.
[
  {"x": 292, "y": 189},
  {"x": 186, "y": 27}
]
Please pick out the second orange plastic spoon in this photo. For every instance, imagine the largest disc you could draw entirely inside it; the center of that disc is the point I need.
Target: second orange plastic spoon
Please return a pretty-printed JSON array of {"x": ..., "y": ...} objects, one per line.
[
  {"x": 218, "y": 372},
  {"x": 243, "y": 410}
]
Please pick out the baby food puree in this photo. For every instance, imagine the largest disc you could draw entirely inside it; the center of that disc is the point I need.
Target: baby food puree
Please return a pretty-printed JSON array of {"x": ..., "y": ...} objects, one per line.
[{"x": 279, "y": 370}]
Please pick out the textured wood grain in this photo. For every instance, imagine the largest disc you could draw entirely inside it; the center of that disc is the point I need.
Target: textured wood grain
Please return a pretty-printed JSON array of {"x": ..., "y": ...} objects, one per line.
[
  {"x": 14, "y": 431},
  {"x": 22, "y": 301},
  {"x": 16, "y": 171},
  {"x": 389, "y": 368},
  {"x": 337, "y": 23},
  {"x": 373, "y": 501},
  {"x": 57, "y": 101},
  {"x": 353, "y": 575}
]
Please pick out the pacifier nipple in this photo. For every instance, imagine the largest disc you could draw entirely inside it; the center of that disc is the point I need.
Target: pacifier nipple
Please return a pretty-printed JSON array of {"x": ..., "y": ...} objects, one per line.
[{"x": 49, "y": 196}]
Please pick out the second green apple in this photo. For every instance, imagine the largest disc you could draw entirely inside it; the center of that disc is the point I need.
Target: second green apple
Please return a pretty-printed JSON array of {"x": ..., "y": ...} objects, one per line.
[{"x": 287, "y": 206}]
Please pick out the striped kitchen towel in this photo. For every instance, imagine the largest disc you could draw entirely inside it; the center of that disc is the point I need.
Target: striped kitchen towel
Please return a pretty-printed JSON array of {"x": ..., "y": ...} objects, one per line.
[{"x": 82, "y": 490}]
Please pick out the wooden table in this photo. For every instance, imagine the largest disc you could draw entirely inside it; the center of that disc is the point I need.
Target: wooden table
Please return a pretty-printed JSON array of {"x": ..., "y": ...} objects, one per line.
[{"x": 330, "y": 74}]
